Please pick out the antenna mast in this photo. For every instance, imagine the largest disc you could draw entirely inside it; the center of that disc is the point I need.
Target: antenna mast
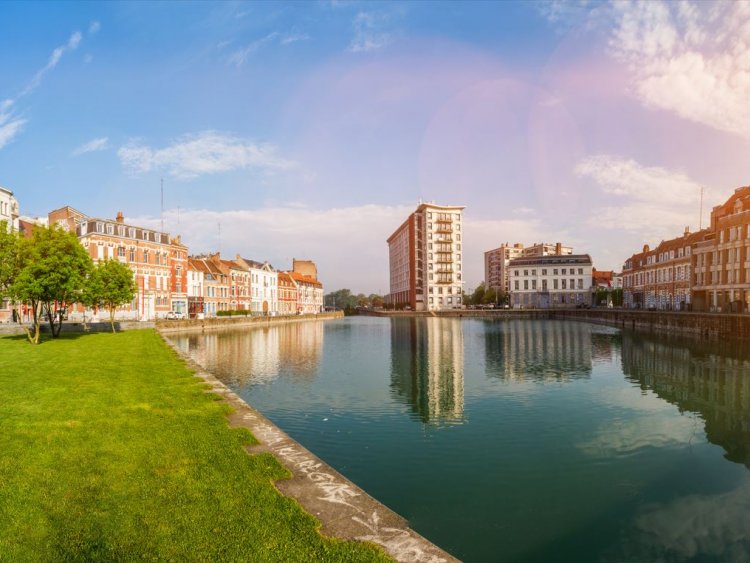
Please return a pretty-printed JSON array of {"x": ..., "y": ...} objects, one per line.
[
  {"x": 700, "y": 219},
  {"x": 162, "y": 205}
]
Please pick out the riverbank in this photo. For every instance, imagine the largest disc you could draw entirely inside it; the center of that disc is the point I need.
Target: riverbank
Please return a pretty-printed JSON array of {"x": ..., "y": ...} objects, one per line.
[
  {"x": 713, "y": 326},
  {"x": 221, "y": 323},
  {"x": 110, "y": 448}
]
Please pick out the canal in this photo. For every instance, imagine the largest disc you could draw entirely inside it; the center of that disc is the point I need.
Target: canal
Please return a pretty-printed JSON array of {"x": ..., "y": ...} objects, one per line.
[{"x": 515, "y": 440}]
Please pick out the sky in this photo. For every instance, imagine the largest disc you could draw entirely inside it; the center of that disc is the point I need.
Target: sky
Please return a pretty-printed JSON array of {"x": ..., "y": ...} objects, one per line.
[{"x": 311, "y": 130}]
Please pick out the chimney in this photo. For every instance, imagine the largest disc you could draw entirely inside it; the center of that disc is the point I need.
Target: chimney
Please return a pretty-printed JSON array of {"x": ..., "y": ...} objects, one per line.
[
  {"x": 558, "y": 248},
  {"x": 687, "y": 231},
  {"x": 120, "y": 218},
  {"x": 645, "y": 248}
]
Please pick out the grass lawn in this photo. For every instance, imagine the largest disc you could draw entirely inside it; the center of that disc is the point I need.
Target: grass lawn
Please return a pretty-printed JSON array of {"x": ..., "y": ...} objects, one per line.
[{"x": 111, "y": 449}]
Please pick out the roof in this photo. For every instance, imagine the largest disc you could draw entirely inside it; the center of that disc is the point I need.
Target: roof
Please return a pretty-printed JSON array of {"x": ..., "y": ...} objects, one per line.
[
  {"x": 551, "y": 259},
  {"x": 299, "y": 278}
]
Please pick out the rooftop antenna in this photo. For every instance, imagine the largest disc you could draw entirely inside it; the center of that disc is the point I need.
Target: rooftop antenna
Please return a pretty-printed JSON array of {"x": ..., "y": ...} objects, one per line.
[
  {"x": 162, "y": 205},
  {"x": 700, "y": 219},
  {"x": 219, "y": 237}
]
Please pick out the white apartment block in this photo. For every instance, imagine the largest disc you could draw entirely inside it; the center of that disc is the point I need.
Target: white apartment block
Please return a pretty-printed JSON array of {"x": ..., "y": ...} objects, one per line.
[
  {"x": 8, "y": 208},
  {"x": 496, "y": 261},
  {"x": 551, "y": 281},
  {"x": 425, "y": 259}
]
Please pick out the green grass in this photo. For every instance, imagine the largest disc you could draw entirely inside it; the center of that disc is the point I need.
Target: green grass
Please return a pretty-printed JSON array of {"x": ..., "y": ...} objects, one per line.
[{"x": 110, "y": 449}]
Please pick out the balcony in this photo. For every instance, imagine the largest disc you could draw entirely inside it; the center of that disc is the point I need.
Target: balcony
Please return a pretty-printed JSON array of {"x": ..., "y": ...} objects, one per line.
[
  {"x": 443, "y": 228},
  {"x": 444, "y": 259},
  {"x": 443, "y": 220},
  {"x": 445, "y": 280}
]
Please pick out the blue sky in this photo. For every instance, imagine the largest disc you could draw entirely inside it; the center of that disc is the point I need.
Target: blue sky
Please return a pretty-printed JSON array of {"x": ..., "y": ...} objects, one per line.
[{"x": 311, "y": 129}]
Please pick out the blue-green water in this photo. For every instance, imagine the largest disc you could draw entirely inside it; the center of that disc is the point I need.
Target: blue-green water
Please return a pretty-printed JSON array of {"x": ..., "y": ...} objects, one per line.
[{"x": 516, "y": 440}]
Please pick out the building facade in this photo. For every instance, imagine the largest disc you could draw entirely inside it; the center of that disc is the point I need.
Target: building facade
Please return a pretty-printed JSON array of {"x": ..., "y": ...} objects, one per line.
[
  {"x": 551, "y": 281},
  {"x": 158, "y": 262},
  {"x": 8, "y": 208},
  {"x": 661, "y": 278},
  {"x": 264, "y": 284},
  {"x": 309, "y": 294},
  {"x": 496, "y": 261},
  {"x": 288, "y": 294},
  {"x": 425, "y": 259},
  {"x": 721, "y": 261}
]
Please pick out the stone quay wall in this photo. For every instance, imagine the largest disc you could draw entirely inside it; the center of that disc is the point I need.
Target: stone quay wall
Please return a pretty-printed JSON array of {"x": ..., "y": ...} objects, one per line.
[{"x": 713, "y": 326}]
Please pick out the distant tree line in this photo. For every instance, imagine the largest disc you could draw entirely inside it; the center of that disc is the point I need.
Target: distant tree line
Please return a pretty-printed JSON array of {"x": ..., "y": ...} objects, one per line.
[
  {"x": 50, "y": 271},
  {"x": 344, "y": 299},
  {"x": 484, "y": 296}
]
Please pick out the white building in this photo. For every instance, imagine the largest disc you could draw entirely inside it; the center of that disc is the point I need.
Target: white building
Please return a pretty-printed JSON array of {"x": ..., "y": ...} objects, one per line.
[
  {"x": 8, "y": 208},
  {"x": 425, "y": 259},
  {"x": 496, "y": 261},
  {"x": 264, "y": 286},
  {"x": 550, "y": 281}
]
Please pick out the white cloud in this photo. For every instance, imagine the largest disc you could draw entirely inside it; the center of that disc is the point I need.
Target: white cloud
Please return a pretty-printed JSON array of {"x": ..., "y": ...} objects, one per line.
[
  {"x": 93, "y": 145},
  {"x": 208, "y": 152},
  {"x": 689, "y": 58},
  {"x": 369, "y": 32},
  {"x": 653, "y": 201},
  {"x": 94, "y": 27}
]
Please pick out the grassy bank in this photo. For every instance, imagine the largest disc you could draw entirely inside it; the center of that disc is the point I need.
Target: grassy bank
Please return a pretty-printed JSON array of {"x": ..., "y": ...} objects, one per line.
[{"x": 111, "y": 449}]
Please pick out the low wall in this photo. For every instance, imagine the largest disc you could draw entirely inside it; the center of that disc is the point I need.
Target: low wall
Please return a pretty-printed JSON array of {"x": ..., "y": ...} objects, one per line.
[
  {"x": 196, "y": 325},
  {"x": 15, "y": 328}
]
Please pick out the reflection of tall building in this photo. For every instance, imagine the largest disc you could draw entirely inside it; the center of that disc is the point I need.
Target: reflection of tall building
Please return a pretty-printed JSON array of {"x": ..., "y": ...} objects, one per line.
[
  {"x": 538, "y": 351},
  {"x": 709, "y": 380},
  {"x": 427, "y": 367},
  {"x": 259, "y": 355}
]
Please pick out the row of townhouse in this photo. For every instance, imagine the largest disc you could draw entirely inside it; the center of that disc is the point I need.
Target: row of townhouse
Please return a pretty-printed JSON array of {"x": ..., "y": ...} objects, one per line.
[
  {"x": 704, "y": 271},
  {"x": 216, "y": 285},
  {"x": 168, "y": 279}
]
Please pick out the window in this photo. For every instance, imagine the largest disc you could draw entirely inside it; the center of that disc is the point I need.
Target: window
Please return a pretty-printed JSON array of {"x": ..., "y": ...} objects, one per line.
[
  {"x": 544, "y": 271},
  {"x": 580, "y": 271},
  {"x": 554, "y": 283},
  {"x": 563, "y": 284},
  {"x": 554, "y": 273},
  {"x": 110, "y": 229},
  {"x": 516, "y": 285},
  {"x": 533, "y": 284},
  {"x": 526, "y": 284},
  {"x": 564, "y": 271},
  {"x": 544, "y": 285}
]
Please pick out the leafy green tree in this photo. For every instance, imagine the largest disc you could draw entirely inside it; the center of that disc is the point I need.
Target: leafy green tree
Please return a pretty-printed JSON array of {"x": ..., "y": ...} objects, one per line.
[
  {"x": 9, "y": 264},
  {"x": 376, "y": 300},
  {"x": 53, "y": 268},
  {"x": 110, "y": 286}
]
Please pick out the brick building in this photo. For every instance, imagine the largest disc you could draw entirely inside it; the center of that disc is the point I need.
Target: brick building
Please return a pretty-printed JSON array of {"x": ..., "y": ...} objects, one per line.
[{"x": 158, "y": 262}]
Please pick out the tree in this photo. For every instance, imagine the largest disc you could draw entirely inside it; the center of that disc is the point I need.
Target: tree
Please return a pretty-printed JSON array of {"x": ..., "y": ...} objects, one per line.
[
  {"x": 53, "y": 267},
  {"x": 9, "y": 264},
  {"x": 110, "y": 285}
]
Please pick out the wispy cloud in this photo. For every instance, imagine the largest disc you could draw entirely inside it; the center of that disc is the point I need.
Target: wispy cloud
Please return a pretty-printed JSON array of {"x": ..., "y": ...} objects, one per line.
[
  {"x": 370, "y": 32},
  {"x": 94, "y": 27},
  {"x": 10, "y": 123},
  {"x": 57, "y": 53},
  {"x": 653, "y": 201},
  {"x": 208, "y": 152},
  {"x": 10, "y": 126},
  {"x": 93, "y": 145},
  {"x": 240, "y": 56}
]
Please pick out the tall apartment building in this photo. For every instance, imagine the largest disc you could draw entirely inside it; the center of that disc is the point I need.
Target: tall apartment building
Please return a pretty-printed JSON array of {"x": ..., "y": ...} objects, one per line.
[
  {"x": 158, "y": 262},
  {"x": 425, "y": 259},
  {"x": 661, "y": 278},
  {"x": 550, "y": 281},
  {"x": 496, "y": 261},
  {"x": 721, "y": 262},
  {"x": 8, "y": 208}
]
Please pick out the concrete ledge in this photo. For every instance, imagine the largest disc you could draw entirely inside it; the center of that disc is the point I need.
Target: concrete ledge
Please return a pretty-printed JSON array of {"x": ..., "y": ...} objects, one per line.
[
  {"x": 195, "y": 325},
  {"x": 344, "y": 510}
]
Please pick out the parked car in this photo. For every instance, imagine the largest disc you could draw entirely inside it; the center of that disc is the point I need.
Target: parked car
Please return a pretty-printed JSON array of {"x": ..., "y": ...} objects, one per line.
[{"x": 175, "y": 316}]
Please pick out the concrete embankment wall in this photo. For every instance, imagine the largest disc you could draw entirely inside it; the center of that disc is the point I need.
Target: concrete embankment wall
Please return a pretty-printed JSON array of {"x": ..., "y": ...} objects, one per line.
[
  {"x": 15, "y": 328},
  {"x": 224, "y": 323},
  {"x": 714, "y": 326}
]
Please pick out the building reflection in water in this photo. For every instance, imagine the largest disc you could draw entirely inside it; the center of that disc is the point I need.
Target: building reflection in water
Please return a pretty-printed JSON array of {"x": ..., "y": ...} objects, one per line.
[
  {"x": 257, "y": 356},
  {"x": 712, "y": 380},
  {"x": 427, "y": 367},
  {"x": 546, "y": 351}
]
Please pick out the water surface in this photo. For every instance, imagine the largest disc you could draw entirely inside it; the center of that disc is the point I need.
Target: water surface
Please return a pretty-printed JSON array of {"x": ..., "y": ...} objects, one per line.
[{"x": 515, "y": 440}]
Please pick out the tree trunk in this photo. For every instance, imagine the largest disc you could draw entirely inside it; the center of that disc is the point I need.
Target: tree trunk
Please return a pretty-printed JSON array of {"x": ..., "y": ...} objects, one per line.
[
  {"x": 112, "y": 318},
  {"x": 33, "y": 338}
]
